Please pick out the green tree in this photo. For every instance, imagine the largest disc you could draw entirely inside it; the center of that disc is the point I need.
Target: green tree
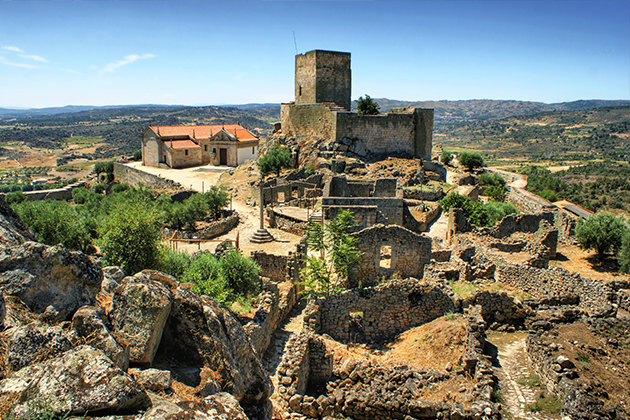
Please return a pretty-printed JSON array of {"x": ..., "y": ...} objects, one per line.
[
  {"x": 496, "y": 192},
  {"x": 129, "y": 237},
  {"x": 471, "y": 160},
  {"x": 137, "y": 155},
  {"x": 602, "y": 232},
  {"x": 446, "y": 157},
  {"x": 367, "y": 106},
  {"x": 276, "y": 159},
  {"x": 324, "y": 275},
  {"x": 205, "y": 272},
  {"x": 623, "y": 256}
]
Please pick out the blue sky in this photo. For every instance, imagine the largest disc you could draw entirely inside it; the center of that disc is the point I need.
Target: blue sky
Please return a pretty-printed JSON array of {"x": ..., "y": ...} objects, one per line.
[{"x": 55, "y": 53}]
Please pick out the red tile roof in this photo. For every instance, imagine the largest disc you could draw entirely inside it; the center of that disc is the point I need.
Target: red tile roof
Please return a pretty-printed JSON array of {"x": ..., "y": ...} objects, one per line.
[
  {"x": 181, "y": 144},
  {"x": 201, "y": 131}
]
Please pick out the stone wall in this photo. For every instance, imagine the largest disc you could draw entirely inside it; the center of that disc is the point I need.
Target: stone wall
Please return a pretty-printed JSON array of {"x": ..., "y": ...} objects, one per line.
[
  {"x": 64, "y": 193},
  {"x": 134, "y": 177},
  {"x": 388, "y": 250},
  {"x": 276, "y": 301},
  {"x": 365, "y": 390},
  {"x": 555, "y": 285},
  {"x": 437, "y": 167},
  {"x": 323, "y": 76},
  {"x": 280, "y": 268},
  {"x": 512, "y": 223},
  {"x": 529, "y": 202},
  {"x": 390, "y": 208},
  {"x": 423, "y": 195},
  {"x": 214, "y": 229},
  {"x": 379, "y": 313}
]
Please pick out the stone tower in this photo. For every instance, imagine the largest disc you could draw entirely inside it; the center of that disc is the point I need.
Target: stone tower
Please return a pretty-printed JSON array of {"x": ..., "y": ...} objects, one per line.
[{"x": 323, "y": 76}]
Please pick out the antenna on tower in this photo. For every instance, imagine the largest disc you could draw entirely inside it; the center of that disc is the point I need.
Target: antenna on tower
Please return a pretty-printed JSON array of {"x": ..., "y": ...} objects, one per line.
[{"x": 295, "y": 42}]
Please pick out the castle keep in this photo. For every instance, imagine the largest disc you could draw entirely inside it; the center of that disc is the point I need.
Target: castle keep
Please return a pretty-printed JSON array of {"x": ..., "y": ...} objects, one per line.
[{"x": 322, "y": 108}]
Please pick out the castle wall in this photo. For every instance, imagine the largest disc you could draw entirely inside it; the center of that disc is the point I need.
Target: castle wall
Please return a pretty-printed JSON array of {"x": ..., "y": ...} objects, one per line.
[
  {"x": 309, "y": 120},
  {"x": 378, "y": 133}
]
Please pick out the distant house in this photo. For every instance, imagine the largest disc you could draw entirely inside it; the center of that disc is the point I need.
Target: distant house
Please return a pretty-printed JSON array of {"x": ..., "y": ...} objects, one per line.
[{"x": 194, "y": 145}]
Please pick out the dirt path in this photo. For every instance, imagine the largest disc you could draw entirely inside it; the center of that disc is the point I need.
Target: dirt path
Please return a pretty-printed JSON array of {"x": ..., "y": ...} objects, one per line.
[
  {"x": 291, "y": 326},
  {"x": 513, "y": 365}
]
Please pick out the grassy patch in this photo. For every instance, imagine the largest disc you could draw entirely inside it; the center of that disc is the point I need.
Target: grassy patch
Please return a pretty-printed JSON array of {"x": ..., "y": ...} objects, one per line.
[
  {"x": 530, "y": 381},
  {"x": 464, "y": 289},
  {"x": 546, "y": 405}
]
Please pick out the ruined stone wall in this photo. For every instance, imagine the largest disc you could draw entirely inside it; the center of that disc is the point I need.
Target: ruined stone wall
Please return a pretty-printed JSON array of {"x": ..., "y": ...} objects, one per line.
[
  {"x": 528, "y": 202},
  {"x": 378, "y": 134},
  {"x": 379, "y": 313},
  {"x": 275, "y": 303},
  {"x": 554, "y": 284},
  {"x": 424, "y": 195},
  {"x": 64, "y": 193},
  {"x": 212, "y": 230},
  {"x": 273, "y": 266},
  {"x": 410, "y": 252},
  {"x": 526, "y": 223},
  {"x": 391, "y": 208},
  {"x": 132, "y": 176}
]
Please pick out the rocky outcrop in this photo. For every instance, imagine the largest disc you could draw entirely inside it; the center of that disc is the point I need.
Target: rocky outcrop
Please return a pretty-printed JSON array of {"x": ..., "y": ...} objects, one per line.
[
  {"x": 201, "y": 333},
  {"x": 89, "y": 324},
  {"x": 140, "y": 308},
  {"x": 12, "y": 230},
  {"x": 78, "y": 381},
  {"x": 34, "y": 343},
  {"x": 222, "y": 406},
  {"x": 153, "y": 379},
  {"x": 51, "y": 281}
]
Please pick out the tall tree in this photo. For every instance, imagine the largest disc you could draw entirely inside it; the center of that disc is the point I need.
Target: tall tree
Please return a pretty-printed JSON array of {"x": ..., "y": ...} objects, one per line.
[{"x": 367, "y": 106}]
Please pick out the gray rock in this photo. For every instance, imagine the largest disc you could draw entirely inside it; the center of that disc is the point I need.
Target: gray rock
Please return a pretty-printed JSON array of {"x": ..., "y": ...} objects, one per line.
[
  {"x": 220, "y": 406},
  {"x": 565, "y": 362},
  {"x": 12, "y": 230},
  {"x": 202, "y": 333},
  {"x": 140, "y": 308},
  {"x": 3, "y": 311},
  {"x": 51, "y": 281},
  {"x": 89, "y": 324},
  {"x": 34, "y": 343},
  {"x": 78, "y": 381},
  {"x": 153, "y": 379}
]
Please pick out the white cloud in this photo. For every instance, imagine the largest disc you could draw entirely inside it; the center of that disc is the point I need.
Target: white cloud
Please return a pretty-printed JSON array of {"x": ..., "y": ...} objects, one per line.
[
  {"x": 35, "y": 57},
  {"x": 10, "y": 63},
  {"x": 128, "y": 59},
  {"x": 16, "y": 49}
]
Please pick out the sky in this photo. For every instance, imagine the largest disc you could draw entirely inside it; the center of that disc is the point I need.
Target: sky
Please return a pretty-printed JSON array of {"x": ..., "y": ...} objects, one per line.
[{"x": 57, "y": 53}]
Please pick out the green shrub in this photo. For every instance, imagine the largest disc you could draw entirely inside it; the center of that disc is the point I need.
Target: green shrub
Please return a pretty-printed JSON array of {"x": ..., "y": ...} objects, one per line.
[
  {"x": 623, "y": 256},
  {"x": 367, "y": 106},
  {"x": 106, "y": 167},
  {"x": 471, "y": 160},
  {"x": 205, "y": 272},
  {"x": 118, "y": 188},
  {"x": 130, "y": 238},
  {"x": 488, "y": 178},
  {"x": 602, "y": 232},
  {"x": 498, "y": 210},
  {"x": 446, "y": 157},
  {"x": 310, "y": 169},
  {"x": 548, "y": 195},
  {"x": 99, "y": 188},
  {"x": 137, "y": 155},
  {"x": 241, "y": 273},
  {"x": 174, "y": 262},
  {"x": 55, "y": 222},
  {"x": 80, "y": 195},
  {"x": 474, "y": 210},
  {"x": 14, "y": 197},
  {"x": 496, "y": 192}
]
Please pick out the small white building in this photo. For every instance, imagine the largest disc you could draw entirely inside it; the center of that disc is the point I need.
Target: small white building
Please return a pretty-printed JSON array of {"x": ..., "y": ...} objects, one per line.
[{"x": 194, "y": 145}]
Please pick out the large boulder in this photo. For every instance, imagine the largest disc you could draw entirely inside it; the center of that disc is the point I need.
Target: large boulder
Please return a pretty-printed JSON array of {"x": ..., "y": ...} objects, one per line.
[
  {"x": 89, "y": 324},
  {"x": 33, "y": 343},
  {"x": 201, "y": 333},
  {"x": 79, "y": 381},
  {"x": 12, "y": 230},
  {"x": 51, "y": 281},
  {"x": 140, "y": 308},
  {"x": 221, "y": 406}
]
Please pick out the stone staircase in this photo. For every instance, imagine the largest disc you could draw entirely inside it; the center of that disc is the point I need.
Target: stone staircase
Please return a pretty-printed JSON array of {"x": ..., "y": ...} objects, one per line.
[{"x": 334, "y": 107}]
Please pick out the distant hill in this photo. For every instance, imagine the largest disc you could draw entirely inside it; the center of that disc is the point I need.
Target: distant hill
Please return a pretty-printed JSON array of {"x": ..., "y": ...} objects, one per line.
[{"x": 488, "y": 109}]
